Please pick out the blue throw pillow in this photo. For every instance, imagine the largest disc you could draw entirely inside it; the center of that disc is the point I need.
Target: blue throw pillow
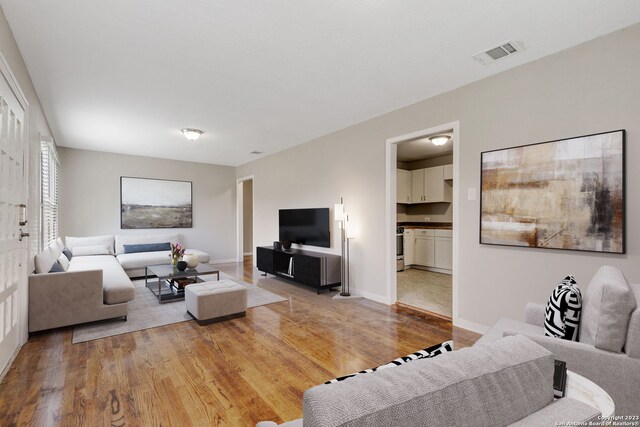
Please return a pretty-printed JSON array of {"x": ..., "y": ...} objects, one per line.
[
  {"x": 56, "y": 267},
  {"x": 67, "y": 252},
  {"x": 147, "y": 247}
]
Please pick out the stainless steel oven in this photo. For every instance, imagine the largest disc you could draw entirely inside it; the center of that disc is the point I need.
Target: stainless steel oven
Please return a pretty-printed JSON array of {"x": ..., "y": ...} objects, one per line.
[{"x": 399, "y": 248}]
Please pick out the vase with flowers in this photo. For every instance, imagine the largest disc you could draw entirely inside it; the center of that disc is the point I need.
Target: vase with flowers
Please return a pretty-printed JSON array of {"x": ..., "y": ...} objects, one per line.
[{"x": 177, "y": 252}]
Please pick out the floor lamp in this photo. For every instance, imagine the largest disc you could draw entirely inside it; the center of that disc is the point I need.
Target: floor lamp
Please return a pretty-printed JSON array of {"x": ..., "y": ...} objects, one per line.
[{"x": 342, "y": 218}]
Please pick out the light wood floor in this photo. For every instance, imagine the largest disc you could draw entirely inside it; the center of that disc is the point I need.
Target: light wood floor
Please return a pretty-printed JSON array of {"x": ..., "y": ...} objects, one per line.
[
  {"x": 426, "y": 290},
  {"x": 234, "y": 373}
]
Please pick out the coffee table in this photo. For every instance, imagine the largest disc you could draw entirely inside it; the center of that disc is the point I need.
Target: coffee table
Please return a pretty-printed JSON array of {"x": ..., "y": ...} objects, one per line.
[{"x": 168, "y": 271}]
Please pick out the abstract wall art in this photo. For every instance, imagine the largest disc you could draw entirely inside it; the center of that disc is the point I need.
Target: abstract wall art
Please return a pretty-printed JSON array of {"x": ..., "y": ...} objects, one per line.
[
  {"x": 155, "y": 203},
  {"x": 564, "y": 194}
]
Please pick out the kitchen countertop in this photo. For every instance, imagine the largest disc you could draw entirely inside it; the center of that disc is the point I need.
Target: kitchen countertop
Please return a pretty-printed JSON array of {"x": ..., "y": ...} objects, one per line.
[{"x": 427, "y": 225}]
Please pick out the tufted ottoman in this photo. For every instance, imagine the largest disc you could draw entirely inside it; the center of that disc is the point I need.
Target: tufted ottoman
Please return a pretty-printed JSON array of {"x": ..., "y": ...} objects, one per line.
[{"x": 209, "y": 302}]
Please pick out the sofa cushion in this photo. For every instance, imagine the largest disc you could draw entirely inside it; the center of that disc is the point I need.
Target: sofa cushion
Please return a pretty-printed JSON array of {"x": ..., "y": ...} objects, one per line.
[
  {"x": 133, "y": 239},
  {"x": 607, "y": 306},
  {"x": 64, "y": 261},
  {"x": 116, "y": 285},
  {"x": 143, "y": 259},
  {"x": 147, "y": 247},
  {"x": 431, "y": 351},
  {"x": 91, "y": 250},
  {"x": 486, "y": 385},
  {"x": 90, "y": 241},
  {"x": 44, "y": 261},
  {"x": 60, "y": 244},
  {"x": 505, "y": 324},
  {"x": 562, "y": 314},
  {"x": 56, "y": 267},
  {"x": 54, "y": 249}
]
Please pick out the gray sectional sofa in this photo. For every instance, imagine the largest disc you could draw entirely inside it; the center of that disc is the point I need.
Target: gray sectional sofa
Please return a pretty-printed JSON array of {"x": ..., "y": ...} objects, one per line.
[
  {"x": 507, "y": 382},
  {"x": 95, "y": 284}
]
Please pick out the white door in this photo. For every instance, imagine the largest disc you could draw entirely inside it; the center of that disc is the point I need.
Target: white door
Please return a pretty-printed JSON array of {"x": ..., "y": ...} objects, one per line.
[{"x": 13, "y": 253}]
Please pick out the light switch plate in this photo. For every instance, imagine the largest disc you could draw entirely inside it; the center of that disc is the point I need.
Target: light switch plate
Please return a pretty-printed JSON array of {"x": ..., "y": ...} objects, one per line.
[{"x": 471, "y": 193}]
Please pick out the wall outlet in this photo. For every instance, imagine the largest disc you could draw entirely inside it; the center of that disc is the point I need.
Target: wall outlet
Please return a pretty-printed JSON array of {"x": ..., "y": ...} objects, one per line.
[{"x": 427, "y": 218}]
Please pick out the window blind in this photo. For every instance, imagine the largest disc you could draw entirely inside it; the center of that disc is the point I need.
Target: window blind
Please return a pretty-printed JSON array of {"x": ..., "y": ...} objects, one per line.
[{"x": 49, "y": 192}]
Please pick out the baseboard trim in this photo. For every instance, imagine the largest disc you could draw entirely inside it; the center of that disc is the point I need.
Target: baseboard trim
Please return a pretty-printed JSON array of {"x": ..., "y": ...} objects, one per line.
[
  {"x": 471, "y": 326},
  {"x": 422, "y": 311},
  {"x": 372, "y": 297}
]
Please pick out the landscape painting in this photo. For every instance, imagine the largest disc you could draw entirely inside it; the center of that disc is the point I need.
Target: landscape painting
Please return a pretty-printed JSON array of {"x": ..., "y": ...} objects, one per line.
[
  {"x": 155, "y": 203},
  {"x": 566, "y": 194}
]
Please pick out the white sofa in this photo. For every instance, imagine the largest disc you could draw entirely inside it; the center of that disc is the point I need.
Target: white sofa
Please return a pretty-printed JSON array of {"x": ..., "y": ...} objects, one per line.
[
  {"x": 134, "y": 263},
  {"x": 94, "y": 284}
]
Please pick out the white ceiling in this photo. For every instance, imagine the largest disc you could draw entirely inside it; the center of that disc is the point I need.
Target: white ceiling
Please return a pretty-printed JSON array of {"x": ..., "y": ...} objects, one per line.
[
  {"x": 125, "y": 76},
  {"x": 420, "y": 149}
]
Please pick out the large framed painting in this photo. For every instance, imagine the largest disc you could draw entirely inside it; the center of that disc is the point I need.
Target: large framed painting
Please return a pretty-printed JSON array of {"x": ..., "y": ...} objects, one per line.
[
  {"x": 564, "y": 194},
  {"x": 155, "y": 203}
]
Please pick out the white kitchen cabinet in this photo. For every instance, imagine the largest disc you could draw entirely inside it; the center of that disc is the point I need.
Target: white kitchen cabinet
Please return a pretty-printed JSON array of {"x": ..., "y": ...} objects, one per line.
[
  {"x": 448, "y": 172},
  {"x": 428, "y": 186},
  {"x": 403, "y": 186},
  {"x": 409, "y": 247},
  {"x": 424, "y": 251},
  {"x": 417, "y": 186},
  {"x": 444, "y": 249}
]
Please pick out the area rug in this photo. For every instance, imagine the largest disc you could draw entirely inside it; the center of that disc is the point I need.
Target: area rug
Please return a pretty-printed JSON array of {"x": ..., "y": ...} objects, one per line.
[{"x": 145, "y": 312}]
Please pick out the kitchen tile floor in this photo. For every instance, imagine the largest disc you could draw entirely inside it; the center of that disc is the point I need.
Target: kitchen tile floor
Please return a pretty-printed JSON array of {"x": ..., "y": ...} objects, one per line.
[{"x": 426, "y": 290}]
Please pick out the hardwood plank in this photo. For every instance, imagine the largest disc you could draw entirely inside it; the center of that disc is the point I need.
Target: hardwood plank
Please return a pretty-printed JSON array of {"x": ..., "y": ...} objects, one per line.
[{"x": 236, "y": 372}]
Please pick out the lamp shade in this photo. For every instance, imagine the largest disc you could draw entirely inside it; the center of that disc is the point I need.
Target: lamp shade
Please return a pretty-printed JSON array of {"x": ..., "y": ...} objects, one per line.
[{"x": 338, "y": 212}]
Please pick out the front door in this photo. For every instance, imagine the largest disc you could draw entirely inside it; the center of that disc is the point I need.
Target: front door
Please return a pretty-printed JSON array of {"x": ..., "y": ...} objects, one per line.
[{"x": 13, "y": 155}]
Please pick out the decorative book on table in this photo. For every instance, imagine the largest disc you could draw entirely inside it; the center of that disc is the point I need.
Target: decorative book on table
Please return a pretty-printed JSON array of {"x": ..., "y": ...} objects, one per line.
[
  {"x": 559, "y": 378},
  {"x": 178, "y": 285}
]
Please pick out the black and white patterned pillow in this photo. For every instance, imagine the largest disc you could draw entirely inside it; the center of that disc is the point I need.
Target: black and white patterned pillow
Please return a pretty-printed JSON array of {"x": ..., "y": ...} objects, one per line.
[
  {"x": 562, "y": 316},
  {"x": 425, "y": 353}
]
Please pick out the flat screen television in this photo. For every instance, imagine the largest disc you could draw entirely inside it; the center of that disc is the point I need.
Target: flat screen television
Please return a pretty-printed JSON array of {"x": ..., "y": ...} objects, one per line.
[{"x": 305, "y": 226}]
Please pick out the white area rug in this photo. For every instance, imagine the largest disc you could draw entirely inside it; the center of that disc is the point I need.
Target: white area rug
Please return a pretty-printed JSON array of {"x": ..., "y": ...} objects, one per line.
[{"x": 145, "y": 312}]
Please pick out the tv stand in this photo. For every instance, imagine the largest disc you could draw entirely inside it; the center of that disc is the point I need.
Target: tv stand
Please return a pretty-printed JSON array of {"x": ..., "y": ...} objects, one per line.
[{"x": 316, "y": 269}]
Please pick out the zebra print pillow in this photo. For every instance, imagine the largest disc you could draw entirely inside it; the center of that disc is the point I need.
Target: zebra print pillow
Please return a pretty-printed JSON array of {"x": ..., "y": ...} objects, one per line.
[
  {"x": 421, "y": 354},
  {"x": 562, "y": 316}
]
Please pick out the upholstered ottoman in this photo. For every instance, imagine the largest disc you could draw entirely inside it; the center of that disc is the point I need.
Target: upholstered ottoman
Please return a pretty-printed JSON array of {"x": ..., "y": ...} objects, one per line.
[{"x": 209, "y": 302}]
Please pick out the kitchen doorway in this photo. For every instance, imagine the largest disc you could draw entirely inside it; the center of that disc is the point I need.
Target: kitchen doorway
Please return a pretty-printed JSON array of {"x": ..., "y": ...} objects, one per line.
[{"x": 422, "y": 210}]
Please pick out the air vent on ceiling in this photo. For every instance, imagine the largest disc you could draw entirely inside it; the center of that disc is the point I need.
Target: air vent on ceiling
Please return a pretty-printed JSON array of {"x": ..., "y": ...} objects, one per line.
[
  {"x": 505, "y": 49},
  {"x": 257, "y": 152}
]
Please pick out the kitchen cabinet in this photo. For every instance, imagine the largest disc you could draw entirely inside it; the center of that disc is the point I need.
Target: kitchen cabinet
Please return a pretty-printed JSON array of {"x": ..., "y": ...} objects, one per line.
[
  {"x": 424, "y": 251},
  {"x": 448, "y": 172},
  {"x": 403, "y": 186},
  {"x": 428, "y": 186},
  {"x": 409, "y": 246},
  {"x": 443, "y": 249}
]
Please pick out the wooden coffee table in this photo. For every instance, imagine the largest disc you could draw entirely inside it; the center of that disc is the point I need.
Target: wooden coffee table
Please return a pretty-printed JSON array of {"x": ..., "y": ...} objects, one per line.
[{"x": 168, "y": 271}]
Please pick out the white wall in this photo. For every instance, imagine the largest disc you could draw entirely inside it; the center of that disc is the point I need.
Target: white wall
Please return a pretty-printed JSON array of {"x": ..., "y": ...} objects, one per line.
[
  {"x": 587, "y": 89},
  {"x": 90, "y": 197}
]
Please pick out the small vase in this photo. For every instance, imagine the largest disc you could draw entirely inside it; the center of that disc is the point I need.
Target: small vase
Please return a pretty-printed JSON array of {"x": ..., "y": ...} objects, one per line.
[
  {"x": 181, "y": 265},
  {"x": 191, "y": 259}
]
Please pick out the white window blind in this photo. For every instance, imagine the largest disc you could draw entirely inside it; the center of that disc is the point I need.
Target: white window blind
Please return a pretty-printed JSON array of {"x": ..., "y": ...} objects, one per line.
[{"x": 49, "y": 192}]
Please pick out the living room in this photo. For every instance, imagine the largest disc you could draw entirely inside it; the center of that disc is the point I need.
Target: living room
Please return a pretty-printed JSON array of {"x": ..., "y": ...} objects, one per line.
[{"x": 560, "y": 88}]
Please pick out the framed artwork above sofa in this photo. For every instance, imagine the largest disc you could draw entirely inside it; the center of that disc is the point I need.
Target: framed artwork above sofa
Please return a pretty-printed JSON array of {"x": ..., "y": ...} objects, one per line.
[
  {"x": 155, "y": 203},
  {"x": 563, "y": 194}
]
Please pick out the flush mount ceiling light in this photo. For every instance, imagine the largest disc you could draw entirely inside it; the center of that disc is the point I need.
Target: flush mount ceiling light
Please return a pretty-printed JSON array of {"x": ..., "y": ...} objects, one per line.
[
  {"x": 192, "y": 134},
  {"x": 439, "y": 139}
]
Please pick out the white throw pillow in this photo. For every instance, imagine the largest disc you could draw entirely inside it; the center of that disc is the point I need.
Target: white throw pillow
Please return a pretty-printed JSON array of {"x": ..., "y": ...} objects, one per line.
[
  {"x": 44, "y": 261},
  {"x": 90, "y": 250},
  {"x": 90, "y": 241},
  {"x": 55, "y": 251},
  {"x": 64, "y": 262},
  {"x": 60, "y": 244}
]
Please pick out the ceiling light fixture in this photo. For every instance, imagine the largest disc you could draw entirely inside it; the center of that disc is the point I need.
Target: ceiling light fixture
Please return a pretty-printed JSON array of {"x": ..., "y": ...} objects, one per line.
[
  {"x": 439, "y": 139},
  {"x": 192, "y": 134}
]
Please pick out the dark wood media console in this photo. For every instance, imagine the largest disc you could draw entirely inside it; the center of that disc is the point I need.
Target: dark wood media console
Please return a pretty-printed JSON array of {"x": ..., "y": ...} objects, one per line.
[{"x": 317, "y": 269}]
